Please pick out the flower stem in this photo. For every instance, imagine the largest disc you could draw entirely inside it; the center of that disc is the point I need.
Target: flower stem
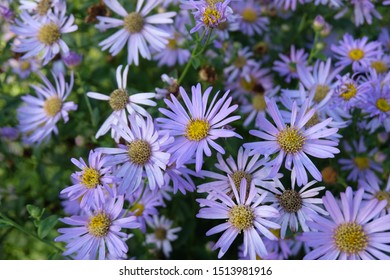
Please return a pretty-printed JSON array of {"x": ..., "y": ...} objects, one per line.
[{"x": 93, "y": 121}]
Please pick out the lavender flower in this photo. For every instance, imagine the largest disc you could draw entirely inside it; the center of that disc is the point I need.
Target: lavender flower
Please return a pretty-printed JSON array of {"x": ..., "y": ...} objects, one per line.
[{"x": 250, "y": 22}]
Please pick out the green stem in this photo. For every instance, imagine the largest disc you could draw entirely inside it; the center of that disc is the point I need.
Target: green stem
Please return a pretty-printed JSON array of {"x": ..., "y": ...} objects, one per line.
[
  {"x": 313, "y": 50},
  {"x": 23, "y": 230},
  {"x": 89, "y": 106}
]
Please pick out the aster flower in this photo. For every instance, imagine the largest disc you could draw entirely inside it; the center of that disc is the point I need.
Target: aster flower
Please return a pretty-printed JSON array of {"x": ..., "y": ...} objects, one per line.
[
  {"x": 288, "y": 4},
  {"x": 39, "y": 115},
  {"x": 250, "y": 22},
  {"x": 356, "y": 52},
  {"x": 244, "y": 213},
  {"x": 24, "y": 67},
  {"x": 42, "y": 38},
  {"x": 374, "y": 189},
  {"x": 120, "y": 101},
  {"x": 384, "y": 39},
  {"x": 92, "y": 183},
  {"x": 361, "y": 163},
  {"x": 363, "y": 11},
  {"x": 163, "y": 234},
  {"x": 171, "y": 88},
  {"x": 239, "y": 65},
  {"x": 287, "y": 66},
  {"x": 41, "y": 8},
  {"x": 141, "y": 153},
  {"x": 139, "y": 31},
  {"x": 295, "y": 207},
  {"x": 351, "y": 231},
  {"x": 196, "y": 130},
  {"x": 180, "y": 178},
  {"x": 72, "y": 59},
  {"x": 294, "y": 141},
  {"x": 97, "y": 233},
  {"x": 347, "y": 94}
]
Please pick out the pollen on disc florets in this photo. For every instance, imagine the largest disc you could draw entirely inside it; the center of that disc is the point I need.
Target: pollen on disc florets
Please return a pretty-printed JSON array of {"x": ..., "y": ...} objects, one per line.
[
  {"x": 237, "y": 177},
  {"x": 249, "y": 15},
  {"x": 383, "y": 195},
  {"x": 197, "y": 130},
  {"x": 348, "y": 91},
  {"x": 118, "y": 99},
  {"x": 380, "y": 66},
  {"x": 211, "y": 16},
  {"x": 291, "y": 201},
  {"x": 52, "y": 106},
  {"x": 160, "y": 233},
  {"x": 241, "y": 217},
  {"x": 139, "y": 152},
  {"x": 313, "y": 121},
  {"x": 134, "y": 22},
  {"x": 362, "y": 162},
  {"x": 49, "y": 33},
  {"x": 290, "y": 140},
  {"x": 43, "y": 7},
  {"x": 258, "y": 102},
  {"x": 356, "y": 54},
  {"x": 99, "y": 225},
  {"x": 138, "y": 209},
  {"x": 382, "y": 104},
  {"x": 320, "y": 93},
  {"x": 350, "y": 238},
  {"x": 90, "y": 178}
]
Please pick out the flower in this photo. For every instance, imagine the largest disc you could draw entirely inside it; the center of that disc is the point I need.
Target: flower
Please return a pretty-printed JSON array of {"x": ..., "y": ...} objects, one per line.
[
  {"x": 356, "y": 52},
  {"x": 141, "y": 153},
  {"x": 288, "y": 4},
  {"x": 194, "y": 132},
  {"x": 363, "y": 11},
  {"x": 180, "y": 178},
  {"x": 294, "y": 141},
  {"x": 239, "y": 65},
  {"x": 351, "y": 231},
  {"x": 372, "y": 190},
  {"x": 244, "y": 213},
  {"x": 72, "y": 59},
  {"x": 120, "y": 101},
  {"x": 138, "y": 30},
  {"x": 41, "y": 8},
  {"x": 42, "y": 38},
  {"x": 24, "y": 67},
  {"x": 39, "y": 115},
  {"x": 250, "y": 22},
  {"x": 97, "y": 234},
  {"x": 348, "y": 93},
  {"x": 163, "y": 234},
  {"x": 92, "y": 183}
]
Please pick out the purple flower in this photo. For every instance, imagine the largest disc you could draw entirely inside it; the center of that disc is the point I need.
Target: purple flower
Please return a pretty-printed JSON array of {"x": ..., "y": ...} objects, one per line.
[
  {"x": 250, "y": 21},
  {"x": 352, "y": 230},
  {"x": 9, "y": 133},
  {"x": 375, "y": 189},
  {"x": 42, "y": 8},
  {"x": 196, "y": 130},
  {"x": 72, "y": 59},
  {"x": 242, "y": 213},
  {"x": 294, "y": 141},
  {"x": 97, "y": 234},
  {"x": 287, "y": 4}
]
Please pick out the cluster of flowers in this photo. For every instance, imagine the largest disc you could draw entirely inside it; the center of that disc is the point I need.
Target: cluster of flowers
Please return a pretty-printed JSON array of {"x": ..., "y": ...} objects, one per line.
[{"x": 122, "y": 187}]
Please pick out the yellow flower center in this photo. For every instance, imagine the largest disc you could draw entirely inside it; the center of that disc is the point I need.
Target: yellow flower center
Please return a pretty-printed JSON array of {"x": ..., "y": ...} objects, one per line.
[
  {"x": 139, "y": 152},
  {"x": 290, "y": 140},
  {"x": 356, "y": 54},
  {"x": 321, "y": 92},
  {"x": 211, "y": 16},
  {"x": 238, "y": 175},
  {"x": 49, "y": 33},
  {"x": 197, "y": 130},
  {"x": 247, "y": 85},
  {"x": 362, "y": 162},
  {"x": 25, "y": 65},
  {"x": 249, "y": 15},
  {"x": 99, "y": 225},
  {"x": 160, "y": 233},
  {"x": 382, "y": 104},
  {"x": 240, "y": 61},
  {"x": 43, "y": 7},
  {"x": 118, "y": 99},
  {"x": 90, "y": 178},
  {"x": 134, "y": 22},
  {"x": 241, "y": 217},
  {"x": 290, "y": 200},
  {"x": 348, "y": 91},
  {"x": 313, "y": 121},
  {"x": 350, "y": 238},
  {"x": 379, "y": 66},
  {"x": 172, "y": 44},
  {"x": 258, "y": 102},
  {"x": 383, "y": 195},
  {"x": 137, "y": 209},
  {"x": 52, "y": 106},
  {"x": 275, "y": 232}
]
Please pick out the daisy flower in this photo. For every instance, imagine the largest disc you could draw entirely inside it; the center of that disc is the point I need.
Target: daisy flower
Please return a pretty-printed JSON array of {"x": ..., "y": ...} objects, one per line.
[
  {"x": 356, "y": 52},
  {"x": 239, "y": 65},
  {"x": 24, "y": 67},
  {"x": 288, "y": 4},
  {"x": 196, "y": 130},
  {"x": 97, "y": 233},
  {"x": 373, "y": 190},
  {"x": 141, "y": 153},
  {"x": 242, "y": 214},
  {"x": 92, "y": 183},
  {"x": 384, "y": 39},
  {"x": 347, "y": 94},
  {"x": 139, "y": 31},
  {"x": 361, "y": 163},
  {"x": 294, "y": 141},
  {"x": 250, "y": 21},
  {"x": 42, "y": 38},
  {"x": 120, "y": 101},
  {"x": 351, "y": 231},
  {"x": 363, "y": 11},
  {"x": 180, "y": 178},
  {"x": 172, "y": 87},
  {"x": 163, "y": 234},
  {"x": 39, "y": 115},
  {"x": 295, "y": 207},
  {"x": 41, "y": 8}
]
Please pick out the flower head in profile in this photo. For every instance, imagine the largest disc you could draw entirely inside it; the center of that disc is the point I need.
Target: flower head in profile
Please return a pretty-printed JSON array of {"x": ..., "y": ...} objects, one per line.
[
  {"x": 43, "y": 38},
  {"x": 120, "y": 101},
  {"x": 197, "y": 127},
  {"x": 293, "y": 141},
  {"x": 93, "y": 183},
  {"x": 163, "y": 234},
  {"x": 243, "y": 213},
  {"x": 352, "y": 230},
  {"x": 139, "y": 31},
  {"x": 39, "y": 115},
  {"x": 98, "y": 233}
]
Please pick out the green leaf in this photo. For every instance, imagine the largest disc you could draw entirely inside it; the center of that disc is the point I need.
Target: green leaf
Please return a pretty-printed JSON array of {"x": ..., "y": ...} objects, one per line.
[
  {"x": 47, "y": 225},
  {"x": 195, "y": 62},
  {"x": 34, "y": 211}
]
